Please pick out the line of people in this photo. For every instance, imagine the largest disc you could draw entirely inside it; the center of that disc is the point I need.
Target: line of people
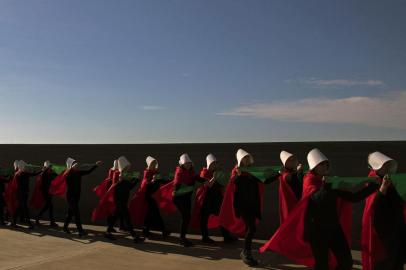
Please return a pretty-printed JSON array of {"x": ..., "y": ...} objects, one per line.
[{"x": 315, "y": 218}]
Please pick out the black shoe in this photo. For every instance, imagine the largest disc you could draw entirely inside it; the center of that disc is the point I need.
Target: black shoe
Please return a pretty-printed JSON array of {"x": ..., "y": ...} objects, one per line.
[
  {"x": 54, "y": 225},
  {"x": 248, "y": 259},
  {"x": 37, "y": 222},
  {"x": 83, "y": 233},
  {"x": 146, "y": 233},
  {"x": 230, "y": 239},
  {"x": 31, "y": 226},
  {"x": 66, "y": 230},
  {"x": 123, "y": 229},
  {"x": 109, "y": 236},
  {"x": 111, "y": 230},
  {"x": 165, "y": 234},
  {"x": 185, "y": 243},
  {"x": 138, "y": 239},
  {"x": 14, "y": 225},
  {"x": 208, "y": 240}
]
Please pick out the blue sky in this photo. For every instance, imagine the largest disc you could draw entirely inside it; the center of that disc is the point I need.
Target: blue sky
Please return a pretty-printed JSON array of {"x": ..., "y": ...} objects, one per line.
[{"x": 96, "y": 71}]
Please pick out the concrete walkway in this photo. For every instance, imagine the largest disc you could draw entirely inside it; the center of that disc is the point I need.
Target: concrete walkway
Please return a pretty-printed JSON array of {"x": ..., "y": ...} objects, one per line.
[{"x": 46, "y": 248}]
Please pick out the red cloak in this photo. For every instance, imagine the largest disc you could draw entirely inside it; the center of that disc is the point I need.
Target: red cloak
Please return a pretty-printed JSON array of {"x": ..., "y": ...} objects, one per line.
[
  {"x": 287, "y": 198},
  {"x": 201, "y": 192},
  {"x": 58, "y": 185},
  {"x": 106, "y": 205},
  {"x": 288, "y": 239},
  {"x": 37, "y": 200},
  {"x": 373, "y": 250},
  {"x": 103, "y": 187},
  {"x": 164, "y": 198},
  {"x": 10, "y": 195},
  {"x": 138, "y": 206},
  {"x": 227, "y": 216}
]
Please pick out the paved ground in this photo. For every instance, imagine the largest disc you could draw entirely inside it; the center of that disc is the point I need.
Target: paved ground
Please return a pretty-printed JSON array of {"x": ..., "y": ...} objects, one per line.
[{"x": 47, "y": 248}]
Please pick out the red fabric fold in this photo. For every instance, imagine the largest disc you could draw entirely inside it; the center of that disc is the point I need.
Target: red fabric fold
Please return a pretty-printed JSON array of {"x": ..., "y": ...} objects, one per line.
[
  {"x": 106, "y": 205},
  {"x": 58, "y": 185},
  {"x": 104, "y": 186},
  {"x": 37, "y": 200},
  {"x": 164, "y": 198},
  {"x": 372, "y": 248},
  {"x": 10, "y": 195},
  {"x": 287, "y": 198},
  {"x": 227, "y": 216},
  {"x": 138, "y": 206}
]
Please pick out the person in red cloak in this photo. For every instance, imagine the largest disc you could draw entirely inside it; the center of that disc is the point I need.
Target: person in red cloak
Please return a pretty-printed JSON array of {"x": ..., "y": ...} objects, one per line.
[
  {"x": 313, "y": 234},
  {"x": 242, "y": 205},
  {"x": 185, "y": 179},
  {"x": 383, "y": 223},
  {"x": 41, "y": 198},
  {"x": 119, "y": 194},
  {"x": 291, "y": 184},
  {"x": 144, "y": 208},
  {"x": 209, "y": 198},
  {"x": 72, "y": 179},
  {"x": 21, "y": 184}
]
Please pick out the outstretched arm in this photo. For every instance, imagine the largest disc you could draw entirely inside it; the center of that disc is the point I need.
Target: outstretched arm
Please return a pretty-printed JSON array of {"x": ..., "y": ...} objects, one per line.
[{"x": 357, "y": 196}]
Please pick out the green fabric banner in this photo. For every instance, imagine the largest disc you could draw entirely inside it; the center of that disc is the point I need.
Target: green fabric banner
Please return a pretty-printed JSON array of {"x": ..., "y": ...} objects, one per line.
[
  {"x": 348, "y": 183},
  {"x": 58, "y": 169},
  {"x": 399, "y": 181},
  {"x": 184, "y": 189},
  {"x": 262, "y": 173},
  {"x": 130, "y": 175}
]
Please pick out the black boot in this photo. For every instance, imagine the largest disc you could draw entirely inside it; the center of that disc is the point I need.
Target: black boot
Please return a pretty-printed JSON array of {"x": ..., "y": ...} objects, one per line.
[
  {"x": 66, "y": 229},
  {"x": 53, "y": 224},
  {"x": 247, "y": 258},
  {"x": 109, "y": 236},
  {"x": 185, "y": 243},
  {"x": 165, "y": 234},
  {"x": 83, "y": 233}
]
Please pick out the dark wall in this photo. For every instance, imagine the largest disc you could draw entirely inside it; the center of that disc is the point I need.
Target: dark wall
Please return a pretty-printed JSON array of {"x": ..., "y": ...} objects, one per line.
[{"x": 348, "y": 159}]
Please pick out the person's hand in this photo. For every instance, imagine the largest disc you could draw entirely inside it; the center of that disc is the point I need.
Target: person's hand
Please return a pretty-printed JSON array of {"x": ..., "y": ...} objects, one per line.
[
  {"x": 238, "y": 172},
  {"x": 299, "y": 168},
  {"x": 385, "y": 184},
  {"x": 98, "y": 163},
  {"x": 173, "y": 193},
  {"x": 325, "y": 178}
]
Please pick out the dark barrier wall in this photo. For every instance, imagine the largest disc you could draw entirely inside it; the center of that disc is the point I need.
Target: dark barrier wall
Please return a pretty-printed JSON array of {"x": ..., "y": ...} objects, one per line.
[{"x": 348, "y": 158}]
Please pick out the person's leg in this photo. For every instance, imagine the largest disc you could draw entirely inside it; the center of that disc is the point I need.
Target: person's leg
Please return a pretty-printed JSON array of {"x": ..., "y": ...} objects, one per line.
[
  {"x": 204, "y": 220},
  {"x": 341, "y": 250},
  {"x": 183, "y": 203},
  {"x": 68, "y": 218},
  {"x": 25, "y": 211},
  {"x": 44, "y": 208},
  {"x": 111, "y": 221},
  {"x": 125, "y": 214},
  {"x": 78, "y": 221},
  {"x": 319, "y": 245},
  {"x": 250, "y": 227}
]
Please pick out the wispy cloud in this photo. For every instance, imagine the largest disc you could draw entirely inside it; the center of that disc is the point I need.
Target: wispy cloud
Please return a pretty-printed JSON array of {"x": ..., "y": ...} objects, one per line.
[
  {"x": 387, "y": 112},
  {"x": 338, "y": 82},
  {"x": 151, "y": 108}
]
